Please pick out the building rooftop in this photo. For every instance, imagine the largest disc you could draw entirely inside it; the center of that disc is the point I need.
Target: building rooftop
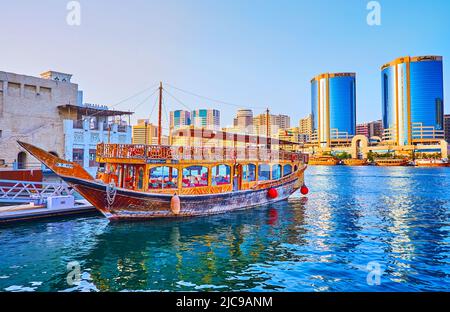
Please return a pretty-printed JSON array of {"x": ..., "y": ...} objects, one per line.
[
  {"x": 90, "y": 110},
  {"x": 408, "y": 59},
  {"x": 332, "y": 75}
]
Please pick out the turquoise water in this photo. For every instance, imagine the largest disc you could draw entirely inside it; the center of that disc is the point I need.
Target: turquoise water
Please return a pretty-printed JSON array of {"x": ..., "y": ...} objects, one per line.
[{"x": 396, "y": 219}]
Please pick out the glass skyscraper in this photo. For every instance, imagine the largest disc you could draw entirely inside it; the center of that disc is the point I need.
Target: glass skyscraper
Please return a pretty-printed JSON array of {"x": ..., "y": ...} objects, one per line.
[
  {"x": 333, "y": 108},
  {"x": 413, "y": 100}
]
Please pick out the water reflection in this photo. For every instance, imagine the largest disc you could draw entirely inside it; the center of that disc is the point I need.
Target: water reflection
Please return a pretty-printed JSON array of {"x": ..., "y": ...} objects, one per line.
[{"x": 398, "y": 217}]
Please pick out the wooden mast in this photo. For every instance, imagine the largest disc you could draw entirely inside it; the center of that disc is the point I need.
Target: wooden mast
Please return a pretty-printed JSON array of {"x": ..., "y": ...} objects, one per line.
[
  {"x": 159, "y": 113},
  {"x": 267, "y": 128}
]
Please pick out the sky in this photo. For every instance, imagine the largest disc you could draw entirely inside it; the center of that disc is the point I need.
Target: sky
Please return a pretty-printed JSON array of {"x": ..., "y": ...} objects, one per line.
[{"x": 247, "y": 53}]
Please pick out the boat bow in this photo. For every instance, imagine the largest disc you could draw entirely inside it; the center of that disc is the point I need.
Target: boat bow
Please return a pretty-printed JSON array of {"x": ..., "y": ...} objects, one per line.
[{"x": 60, "y": 166}]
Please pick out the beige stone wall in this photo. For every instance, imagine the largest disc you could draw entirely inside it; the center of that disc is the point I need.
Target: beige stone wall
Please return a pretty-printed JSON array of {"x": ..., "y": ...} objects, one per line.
[{"x": 28, "y": 112}]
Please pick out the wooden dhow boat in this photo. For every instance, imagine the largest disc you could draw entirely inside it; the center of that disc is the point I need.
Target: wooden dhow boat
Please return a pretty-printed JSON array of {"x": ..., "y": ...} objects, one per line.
[
  {"x": 136, "y": 181},
  {"x": 323, "y": 161},
  {"x": 355, "y": 162},
  {"x": 141, "y": 182},
  {"x": 391, "y": 162},
  {"x": 432, "y": 163}
]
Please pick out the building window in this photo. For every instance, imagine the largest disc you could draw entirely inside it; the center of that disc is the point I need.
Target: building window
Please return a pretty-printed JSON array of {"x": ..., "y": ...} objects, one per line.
[
  {"x": 30, "y": 91},
  {"x": 78, "y": 155},
  {"x": 45, "y": 93},
  {"x": 21, "y": 160},
  {"x": 92, "y": 158},
  {"x": 13, "y": 89}
]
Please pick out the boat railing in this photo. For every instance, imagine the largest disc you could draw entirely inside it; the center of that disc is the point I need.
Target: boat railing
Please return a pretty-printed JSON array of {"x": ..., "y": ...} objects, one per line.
[{"x": 181, "y": 153}]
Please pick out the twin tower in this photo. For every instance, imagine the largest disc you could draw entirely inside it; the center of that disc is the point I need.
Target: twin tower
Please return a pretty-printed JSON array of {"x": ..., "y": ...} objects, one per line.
[{"x": 412, "y": 103}]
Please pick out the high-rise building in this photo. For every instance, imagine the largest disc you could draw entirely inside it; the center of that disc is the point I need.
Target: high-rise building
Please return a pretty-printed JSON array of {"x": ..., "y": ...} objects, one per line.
[
  {"x": 145, "y": 132},
  {"x": 413, "y": 100},
  {"x": 333, "y": 108},
  {"x": 370, "y": 129},
  {"x": 447, "y": 127},
  {"x": 244, "y": 120},
  {"x": 276, "y": 122},
  {"x": 179, "y": 118},
  {"x": 305, "y": 127},
  {"x": 206, "y": 118}
]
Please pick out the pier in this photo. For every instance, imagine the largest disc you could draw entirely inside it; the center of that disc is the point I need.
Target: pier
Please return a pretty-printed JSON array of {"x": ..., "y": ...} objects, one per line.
[{"x": 26, "y": 200}]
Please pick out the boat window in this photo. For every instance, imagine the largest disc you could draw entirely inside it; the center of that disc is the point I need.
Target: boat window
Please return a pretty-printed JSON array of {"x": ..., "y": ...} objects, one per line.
[
  {"x": 263, "y": 172},
  {"x": 287, "y": 170},
  {"x": 163, "y": 178},
  {"x": 221, "y": 175},
  {"x": 129, "y": 177},
  {"x": 195, "y": 176},
  {"x": 249, "y": 172},
  {"x": 140, "y": 178},
  {"x": 295, "y": 168},
  {"x": 276, "y": 172}
]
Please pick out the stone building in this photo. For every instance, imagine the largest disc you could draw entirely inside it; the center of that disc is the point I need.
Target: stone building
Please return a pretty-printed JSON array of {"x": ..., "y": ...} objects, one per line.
[
  {"x": 48, "y": 111},
  {"x": 29, "y": 112}
]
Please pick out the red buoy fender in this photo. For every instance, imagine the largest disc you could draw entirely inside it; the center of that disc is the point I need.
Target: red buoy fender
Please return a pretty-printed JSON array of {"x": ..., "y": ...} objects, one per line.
[
  {"x": 304, "y": 190},
  {"x": 272, "y": 193},
  {"x": 175, "y": 204}
]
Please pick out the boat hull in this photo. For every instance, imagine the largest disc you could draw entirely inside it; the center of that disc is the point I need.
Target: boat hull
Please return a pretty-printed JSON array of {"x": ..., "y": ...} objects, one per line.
[
  {"x": 121, "y": 204},
  {"x": 433, "y": 164}
]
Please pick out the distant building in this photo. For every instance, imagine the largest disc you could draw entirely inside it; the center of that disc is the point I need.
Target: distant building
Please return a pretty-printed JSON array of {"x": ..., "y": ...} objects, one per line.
[
  {"x": 87, "y": 125},
  {"x": 333, "y": 108},
  {"x": 179, "y": 118},
  {"x": 370, "y": 129},
  {"x": 244, "y": 120},
  {"x": 413, "y": 100},
  {"x": 145, "y": 132},
  {"x": 276, "y": 122},
  {"x": 447, "y": 127},
  {"x": 291, "y": 135},
  {"x": 206, "y": 118},
  {"x": 305, "y": 127}
]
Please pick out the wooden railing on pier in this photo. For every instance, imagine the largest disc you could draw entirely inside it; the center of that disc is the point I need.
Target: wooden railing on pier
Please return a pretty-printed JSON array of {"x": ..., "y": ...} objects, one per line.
[{"x": 180, "y": 153}]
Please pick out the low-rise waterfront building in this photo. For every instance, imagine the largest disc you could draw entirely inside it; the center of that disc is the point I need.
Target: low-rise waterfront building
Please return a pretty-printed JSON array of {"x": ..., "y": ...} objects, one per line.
[
  {"x": 447, "y": 127},
  {"x": 87, "y": 125},
  {"x": 370, "y": 129}
]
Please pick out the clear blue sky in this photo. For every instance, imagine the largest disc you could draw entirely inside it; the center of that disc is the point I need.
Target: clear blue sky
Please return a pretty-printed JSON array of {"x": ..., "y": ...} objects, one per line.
[{"x": 248, "y": 52}]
